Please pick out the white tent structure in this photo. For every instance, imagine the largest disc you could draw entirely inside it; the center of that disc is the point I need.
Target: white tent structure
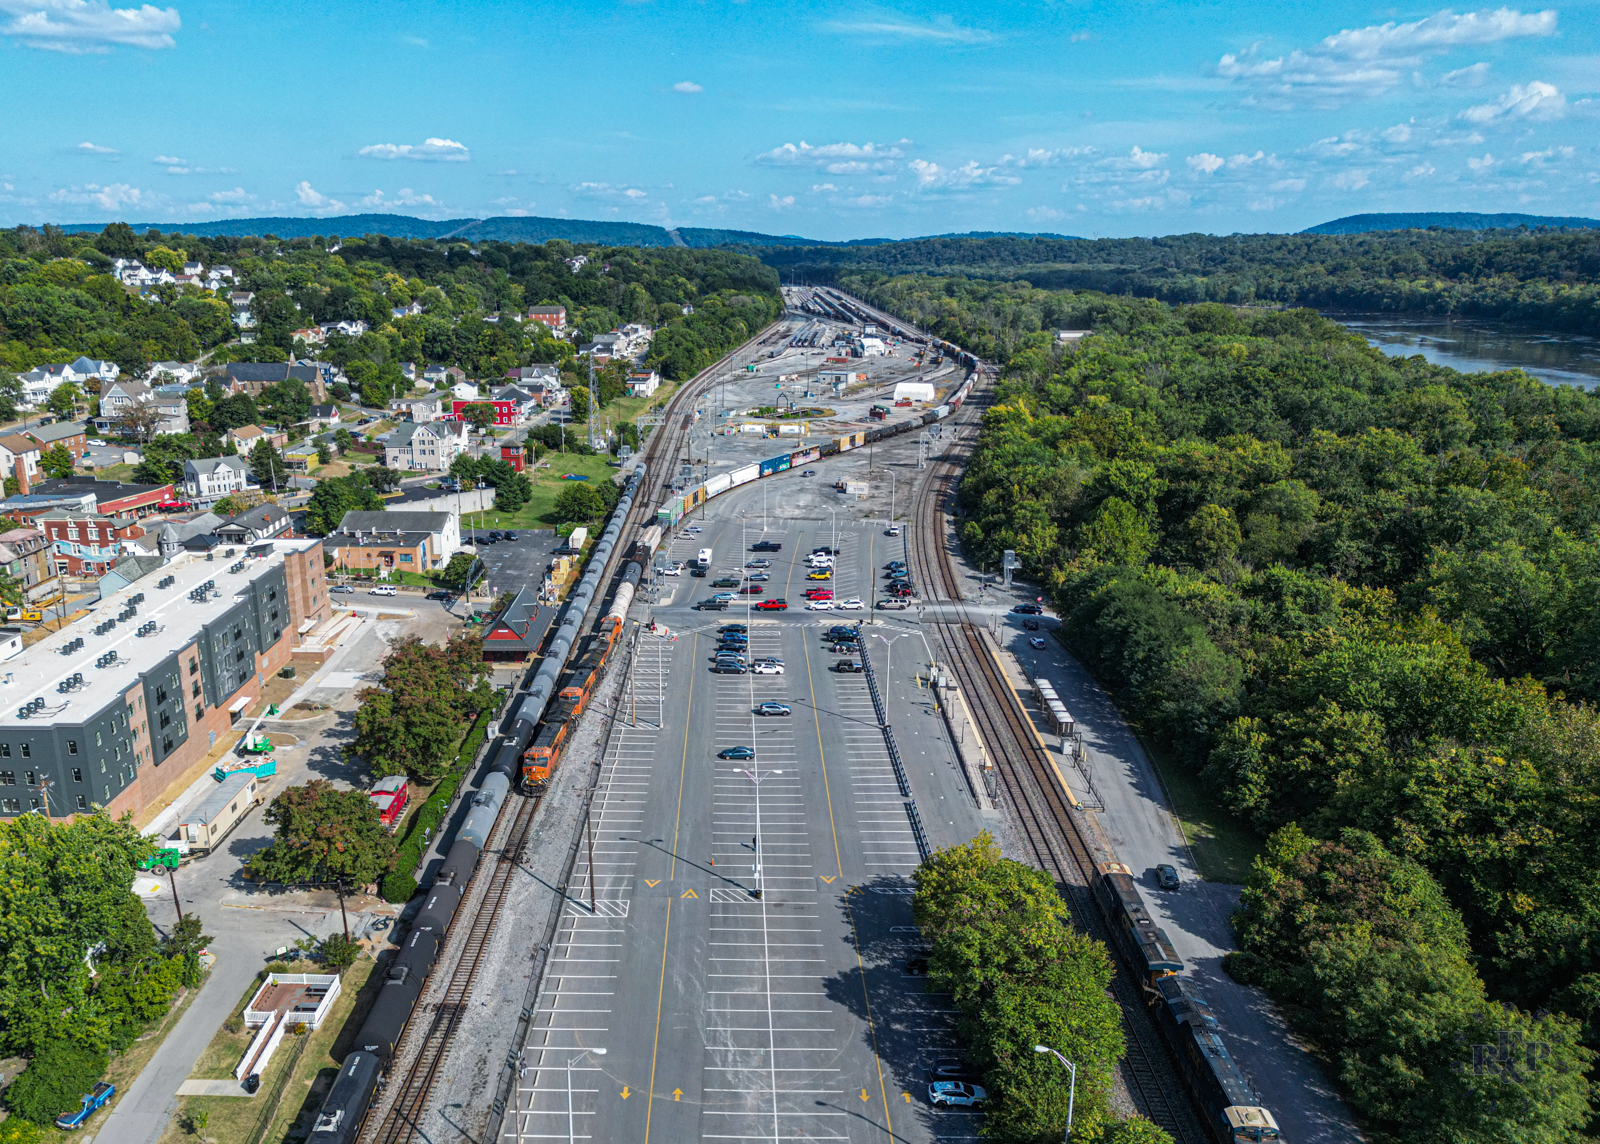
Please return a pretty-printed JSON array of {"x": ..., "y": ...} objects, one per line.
[{"x": 913, "y": 391}]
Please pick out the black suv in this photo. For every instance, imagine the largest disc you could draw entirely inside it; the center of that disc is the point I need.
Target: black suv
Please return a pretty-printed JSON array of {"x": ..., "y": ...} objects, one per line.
[{"x": 847, "y": 665}]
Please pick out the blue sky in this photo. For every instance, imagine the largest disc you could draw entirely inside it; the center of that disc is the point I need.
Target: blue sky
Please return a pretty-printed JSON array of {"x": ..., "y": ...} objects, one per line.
[{"x": 826, "y": 120}]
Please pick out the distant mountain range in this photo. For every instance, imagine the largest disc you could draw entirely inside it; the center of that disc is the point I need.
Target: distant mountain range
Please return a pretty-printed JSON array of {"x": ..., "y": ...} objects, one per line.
[
  {"x": 1451, "y": 220},
  {"x": 511, "y": 229}
]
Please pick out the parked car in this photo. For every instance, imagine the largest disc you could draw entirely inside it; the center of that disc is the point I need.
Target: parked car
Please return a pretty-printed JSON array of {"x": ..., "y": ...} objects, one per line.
[
  {"x": 955, "y": 1093},
  {"x": 847, "y": 665},
  {"x": 443, "y": 597},
  {"x": 759, "y": 577},
  {"x": 725, "y": 582},
  {"x": 767, "y": 668},
  {"x": 341, "y": 588},
  {"x": 712, "y": 606},
  {"x": 766, "y": 546},
  {"x": 381, "y": 590},
  {"x": 737, "y": 753},
  {"x": 751, "y": 590},
  {"x": 893, "y": 564},
  {"x": 824, "y": 550},
  {"x": 1028, "y": 610},
  {"x": 1036, "y": 642},
  {"x": 773, "y": 709},
  {"x": 851, "y": 605},
  {"x": 92, "y": 1102},
  {"x": 820, "y": 574},
  {"x": 892, "y": 605},
  {"x": 1167, "y": 877},
  {"x": 672, "y": 570},
  {"x": 1030, "y": 625},
  {"x": 728, "y": 668},
  {"x": 726, "y": 628},
  {"x": 820, "y": 606},
  {"x": 511, "y": 536},
  {"x": 774, "y": 605}
]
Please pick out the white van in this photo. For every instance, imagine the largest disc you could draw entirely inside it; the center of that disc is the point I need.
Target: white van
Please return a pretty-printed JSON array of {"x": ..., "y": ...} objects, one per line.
[{"x": 381, "y": 590}]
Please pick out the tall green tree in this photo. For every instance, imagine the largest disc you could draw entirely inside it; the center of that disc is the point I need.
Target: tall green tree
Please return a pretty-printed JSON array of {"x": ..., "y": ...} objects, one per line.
[
  {"x": 57, "y": 461},
  {"x": 323, "y": 834},
  {"x": 267, "y": 466},
  {"x": 415, "y": 719}
]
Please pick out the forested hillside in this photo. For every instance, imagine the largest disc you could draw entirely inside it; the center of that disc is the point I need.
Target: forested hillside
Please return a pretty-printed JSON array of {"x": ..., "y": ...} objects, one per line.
[
  {"x": 58, "y": 300},
  {"x": 1359, "y": 596},
  {"x": 1549, "y": 279}
]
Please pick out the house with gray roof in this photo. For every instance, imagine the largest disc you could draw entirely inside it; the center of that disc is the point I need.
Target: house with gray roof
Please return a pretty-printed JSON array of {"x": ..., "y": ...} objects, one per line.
[
  {"x": 209, "y": 479},
  {"x": 443, "y": 528}
]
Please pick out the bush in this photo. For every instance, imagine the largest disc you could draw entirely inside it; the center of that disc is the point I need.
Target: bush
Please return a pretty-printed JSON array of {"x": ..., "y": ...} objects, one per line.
[
  {"x": 19, "y": 1131},
  {"x": 55, "y": 1082},
  {"x": 399, "y": 885}
]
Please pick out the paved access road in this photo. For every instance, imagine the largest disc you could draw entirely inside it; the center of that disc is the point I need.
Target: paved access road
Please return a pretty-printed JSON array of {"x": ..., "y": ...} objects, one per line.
[{"x": 725, "y": 1017}]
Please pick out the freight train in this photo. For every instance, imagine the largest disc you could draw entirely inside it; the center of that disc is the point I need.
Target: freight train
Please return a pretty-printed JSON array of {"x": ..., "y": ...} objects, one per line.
[
  {"x": 673, "y": 511},
  {"x": 339, "y": 1119},
  {"x": 1231, "y": 1107}
]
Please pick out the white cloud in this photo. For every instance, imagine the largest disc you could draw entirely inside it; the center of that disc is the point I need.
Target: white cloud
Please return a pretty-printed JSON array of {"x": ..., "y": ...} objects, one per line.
[
  {"x": 1539, "y": 158},
  {"x": 1362, "y": 62},
  {"x": 1237, "y": 161},
  {"x": 78, "y": 26},
  {"x": 869, "y": 201},
  {"x": 609, "y": 192},
  {"x": 1473, "y": 75},
  {"x": 169, "y": 161},
  {"x": 931, "y": 176},
  {"x": 892, "y": 26},
  {"x": 1037, "y": 157},
  {"x": 1135, "y": 160},
  {"x": 1205, "y": 162},
  {"x": 237, "y": 195},
  {"x": 314, "y": 199},
  {"x": 414, "y": 41},
  {"x": 835, "y": 158},
  {"x": 1288, "y": 185},
  {"x": 1263, "y": 204},
  {"x": 433, "y": 149},
  {"x": 1352, "y": 180},
  {"x": 819, "y": 188},
  {"x": 1045, "y": 214},
  {"x": 686, "y": 87},
  {"x": 1537, "y": 100},
  {"x": 96, "y": 149},
  {"x": 782, "y": 204},
  {"x": 1399, "y": 133},
  {"x": 1420, "y": 171},
  {"x": 108, "y": 198},
  {"x": 1170, "y": 198},
  {"x": 406, "y": 198},
  {"x": 1483, "y": 164}
]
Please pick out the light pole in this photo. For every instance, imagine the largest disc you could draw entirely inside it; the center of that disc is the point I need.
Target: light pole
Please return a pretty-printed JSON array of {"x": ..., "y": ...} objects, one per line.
[
  {"x": 573, "y": 1061},
  {"x": 755, "y": 841},
  {"x": 1072, "y": 1092},
  {"x": 888, "y": 659},
  {"x": 834, "y": 514}
]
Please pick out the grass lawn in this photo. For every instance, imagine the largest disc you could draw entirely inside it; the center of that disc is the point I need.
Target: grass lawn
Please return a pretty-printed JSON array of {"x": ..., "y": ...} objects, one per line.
[
  {"x": 287, "y": 1086},
  {"x": 547, "y": 485},
  {"x": 1223, "y": 844}
]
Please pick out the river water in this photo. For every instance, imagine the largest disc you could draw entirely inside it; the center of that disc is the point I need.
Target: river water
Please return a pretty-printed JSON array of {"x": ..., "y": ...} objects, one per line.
[{"x": 1473, "y": 346}]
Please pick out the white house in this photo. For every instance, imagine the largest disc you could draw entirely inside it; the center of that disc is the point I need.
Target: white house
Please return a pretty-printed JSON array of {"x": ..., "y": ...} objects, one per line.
[
  {"x": 420, "y": 408},
  {"x": 435, "y": 374},
  {"x": 212, "y": 478},
  {"x": 410, "y": 311},
  {"x": 643, "y": 383},
  {"x": 464, "y": 391},
  {"x": 426, "y": 446},
  {"x": 179, "y": 372},
  {"x": 350, "y": 329}
]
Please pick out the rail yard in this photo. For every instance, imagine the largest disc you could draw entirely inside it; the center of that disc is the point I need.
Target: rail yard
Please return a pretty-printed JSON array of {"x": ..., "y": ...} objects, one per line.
[{"x": 718, "y": 941}]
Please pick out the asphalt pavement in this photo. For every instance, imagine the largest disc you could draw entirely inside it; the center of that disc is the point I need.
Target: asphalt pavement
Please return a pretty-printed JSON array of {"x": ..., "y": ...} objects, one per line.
[{"x": 723, "y": 1014}]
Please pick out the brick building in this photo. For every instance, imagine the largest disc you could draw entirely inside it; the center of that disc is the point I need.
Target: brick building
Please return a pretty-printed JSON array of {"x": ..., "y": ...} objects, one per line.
[{"x": 117, "y": 721}]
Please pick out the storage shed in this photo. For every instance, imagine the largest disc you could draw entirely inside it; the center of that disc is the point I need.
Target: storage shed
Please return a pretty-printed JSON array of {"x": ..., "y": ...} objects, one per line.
[
  {"x": 913, "y": 391},
  {"x": 204, "y": 828}
]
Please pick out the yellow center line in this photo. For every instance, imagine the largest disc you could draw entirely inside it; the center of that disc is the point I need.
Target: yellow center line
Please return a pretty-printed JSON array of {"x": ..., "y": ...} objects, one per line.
[
  {"x": 683, "y": 767},
  {"x": 661, "y": 992}
]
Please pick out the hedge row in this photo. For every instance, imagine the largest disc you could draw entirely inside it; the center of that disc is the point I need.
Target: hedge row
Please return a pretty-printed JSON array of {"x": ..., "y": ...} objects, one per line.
[{"x": 399, "y": 885}]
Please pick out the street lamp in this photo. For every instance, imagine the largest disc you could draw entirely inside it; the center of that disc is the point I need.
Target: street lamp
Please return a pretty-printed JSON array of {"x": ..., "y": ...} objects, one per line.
[
  {"x": 1071, "y": 1092},
  {"x": 573, "y": 1061},
  {"x": 888, "y": 659},
  {"x": 755, "y": 841}
]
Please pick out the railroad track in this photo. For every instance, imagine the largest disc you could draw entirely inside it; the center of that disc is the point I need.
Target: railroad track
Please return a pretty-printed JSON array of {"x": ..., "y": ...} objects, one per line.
[
  {"x": 1054, "y": 835},
  {"x": 401, "y": 1119},
  {"x": 425, "y": 1044}
]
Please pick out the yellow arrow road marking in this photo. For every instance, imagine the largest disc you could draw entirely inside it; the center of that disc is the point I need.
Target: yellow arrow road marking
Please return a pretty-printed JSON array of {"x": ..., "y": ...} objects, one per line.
[
  {"x": 688, "y": 894},
  {"x": 677, "y": 1093},
  {"x": 626, "y": 1093},
  {"x": 652, "y": 882},
  {"x": 864, "y": 1095},
  {"x": 827, "y": 878},
  {"x": 907, "y": 1095}
]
